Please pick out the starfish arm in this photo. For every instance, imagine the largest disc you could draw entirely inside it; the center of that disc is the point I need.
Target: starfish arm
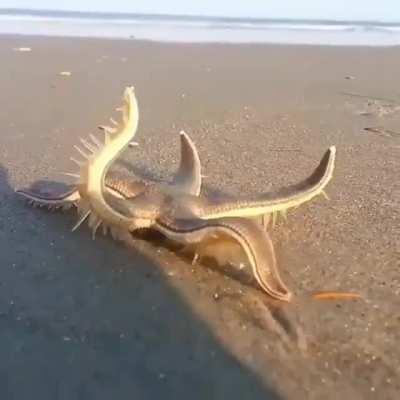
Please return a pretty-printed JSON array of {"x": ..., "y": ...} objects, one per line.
[
  {"x": 282, "y": 199},
  {"x": 254, "y": 240},
  {"x": 187, "y": 179},
  {"x": 94, "y": 169},
  {"x": 115, "y": 184},
  {"x": 62, "y": 200},
  {"x": 123, "y": 186}
]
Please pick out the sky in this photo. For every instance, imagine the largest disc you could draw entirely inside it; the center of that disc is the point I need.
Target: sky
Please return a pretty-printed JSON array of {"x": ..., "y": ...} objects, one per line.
[{"x": 377, "y": 10}]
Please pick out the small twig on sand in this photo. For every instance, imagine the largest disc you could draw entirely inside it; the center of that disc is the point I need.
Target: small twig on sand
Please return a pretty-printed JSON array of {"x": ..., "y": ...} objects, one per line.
[{"x": 382, "y": 131}]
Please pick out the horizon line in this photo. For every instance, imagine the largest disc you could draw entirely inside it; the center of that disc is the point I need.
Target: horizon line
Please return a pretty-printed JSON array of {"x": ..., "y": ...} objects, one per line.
[{"x": 125, "y": 15}]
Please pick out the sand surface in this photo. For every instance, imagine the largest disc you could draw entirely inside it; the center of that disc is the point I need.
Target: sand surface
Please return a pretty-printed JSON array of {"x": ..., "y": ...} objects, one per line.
[{"x": 83, "y": 319}]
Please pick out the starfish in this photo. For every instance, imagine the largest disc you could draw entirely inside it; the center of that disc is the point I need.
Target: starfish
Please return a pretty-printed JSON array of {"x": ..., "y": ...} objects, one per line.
[
  {"x": 187, "y": 218},
  {"x": 187, "y": 179}
]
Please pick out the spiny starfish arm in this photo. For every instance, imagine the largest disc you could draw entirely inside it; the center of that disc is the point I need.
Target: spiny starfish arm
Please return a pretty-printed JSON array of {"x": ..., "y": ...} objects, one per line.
[{"x": 280, "y": 200}]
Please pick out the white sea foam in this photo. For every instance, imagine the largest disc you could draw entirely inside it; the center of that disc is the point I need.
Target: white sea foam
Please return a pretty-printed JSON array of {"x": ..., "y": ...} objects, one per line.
[{"x": 200, "y": 29}]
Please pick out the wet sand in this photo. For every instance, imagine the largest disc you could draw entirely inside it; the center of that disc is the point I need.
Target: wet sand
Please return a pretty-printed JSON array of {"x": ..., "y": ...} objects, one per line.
[{"x": 83, "y": 319}]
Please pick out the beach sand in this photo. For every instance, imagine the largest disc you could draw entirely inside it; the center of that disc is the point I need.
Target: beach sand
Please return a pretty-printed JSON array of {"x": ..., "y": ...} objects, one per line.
[{"x": 83, "y": 319}]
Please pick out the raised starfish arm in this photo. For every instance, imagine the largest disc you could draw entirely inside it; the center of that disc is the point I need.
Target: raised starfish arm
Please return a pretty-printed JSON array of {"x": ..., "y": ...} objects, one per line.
[
  {"x": 254, "y": 240},
  {"x": 187, "y": 179},
  {"x": 270, "y": 202},
  {"x": 101, "y": 155}
]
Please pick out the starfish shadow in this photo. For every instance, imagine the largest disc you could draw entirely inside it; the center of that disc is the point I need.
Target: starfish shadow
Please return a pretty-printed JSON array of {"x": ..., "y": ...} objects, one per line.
[{"x": 94, "y": 320}]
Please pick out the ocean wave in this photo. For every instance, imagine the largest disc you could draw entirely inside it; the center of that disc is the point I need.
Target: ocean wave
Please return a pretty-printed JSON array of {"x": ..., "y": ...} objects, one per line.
[
  {"x": 385, "y": 29},
  {"x": 202, "y": 22},
  {"x": 286, "y": 27},
  {"x": 201, "y": 29}
]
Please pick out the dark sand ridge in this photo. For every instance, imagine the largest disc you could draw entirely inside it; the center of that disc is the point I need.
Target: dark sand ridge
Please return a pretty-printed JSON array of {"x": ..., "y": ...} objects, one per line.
[{"x": 83, "y": 319}]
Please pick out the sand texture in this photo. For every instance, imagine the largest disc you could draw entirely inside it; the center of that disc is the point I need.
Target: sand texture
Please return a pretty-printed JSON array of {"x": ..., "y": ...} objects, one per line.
[{"x": 83, "y": 319}]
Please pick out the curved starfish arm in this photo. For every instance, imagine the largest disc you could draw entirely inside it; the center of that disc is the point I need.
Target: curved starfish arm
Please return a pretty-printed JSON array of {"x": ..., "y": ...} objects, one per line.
[
  {"x": 254, "y": 240},
  {"x": 95, "y": 167},
  {"x": 187, "y": 179},
  {"x": 280, "y": 200},
  {"x": 52, "y": 201},
  {"x": 115, "y": 184}
]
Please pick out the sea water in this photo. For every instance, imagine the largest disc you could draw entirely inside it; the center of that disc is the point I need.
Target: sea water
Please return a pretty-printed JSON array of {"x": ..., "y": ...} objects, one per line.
[{"x": 198, "y": 29}]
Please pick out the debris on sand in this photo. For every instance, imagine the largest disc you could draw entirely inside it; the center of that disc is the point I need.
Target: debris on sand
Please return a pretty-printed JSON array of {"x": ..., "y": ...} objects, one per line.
[
  {"x": 336, "y": 296},
  {"x": 382, "y": 131}
]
